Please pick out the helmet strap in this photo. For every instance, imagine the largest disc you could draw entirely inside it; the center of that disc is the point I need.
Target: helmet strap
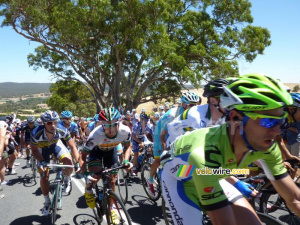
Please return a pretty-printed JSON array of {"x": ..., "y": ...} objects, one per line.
[
  {"x": 48, "y": 130},
  {"x": 244, "y": 121}
]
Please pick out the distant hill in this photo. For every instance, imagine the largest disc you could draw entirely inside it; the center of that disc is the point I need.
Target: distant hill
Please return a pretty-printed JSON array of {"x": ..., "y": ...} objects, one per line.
[{"x": 11, "y": 89}]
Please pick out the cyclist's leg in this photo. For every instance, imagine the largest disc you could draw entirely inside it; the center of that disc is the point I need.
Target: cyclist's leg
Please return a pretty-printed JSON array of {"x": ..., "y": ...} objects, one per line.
[
  {"x": 240, "y": 206},
  {"x": 135, "y": 150},
  {"x": 180, "y": 196},
  {"x": 157, "y": 152},
  {"x": 110, "y": 158},
  {"x": 94, "y": 165}
]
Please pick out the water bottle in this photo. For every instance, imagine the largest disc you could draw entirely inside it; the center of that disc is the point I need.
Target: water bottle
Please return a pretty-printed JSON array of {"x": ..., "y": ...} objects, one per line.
[
  {"x": 100, "y": 195},
  {"x": 140, "y": 159}
]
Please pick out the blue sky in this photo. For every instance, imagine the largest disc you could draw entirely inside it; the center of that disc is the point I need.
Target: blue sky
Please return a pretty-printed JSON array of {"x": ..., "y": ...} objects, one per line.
[{"x": 280, "y": 60}]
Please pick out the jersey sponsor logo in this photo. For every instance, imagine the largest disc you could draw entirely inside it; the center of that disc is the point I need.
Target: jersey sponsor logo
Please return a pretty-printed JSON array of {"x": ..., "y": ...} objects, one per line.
[
  {"x": 212, "y": 196},
  {"x": 209, "y": 155},
  {"x": 203, "y": 123},
  {"x": 174, "y": 169},
  {"x": 230, "y": 160},
  {"x": 254, "y": 107},
  {"x": 178, "y": 219},
  {"x": 209, "y": 189},
  {"x": 184, "y": 148},
  {"x": 90, "y": 142}
]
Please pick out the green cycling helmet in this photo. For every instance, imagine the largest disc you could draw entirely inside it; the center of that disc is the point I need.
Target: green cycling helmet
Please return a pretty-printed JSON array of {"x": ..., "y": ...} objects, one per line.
[{"x": 255, "y": 92}]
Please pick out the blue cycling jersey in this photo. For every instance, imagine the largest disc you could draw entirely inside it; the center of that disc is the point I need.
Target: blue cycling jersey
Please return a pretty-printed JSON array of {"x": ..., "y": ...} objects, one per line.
[
  {"x": 73, "y": 128},
  {"x": 138, "y": 130}
]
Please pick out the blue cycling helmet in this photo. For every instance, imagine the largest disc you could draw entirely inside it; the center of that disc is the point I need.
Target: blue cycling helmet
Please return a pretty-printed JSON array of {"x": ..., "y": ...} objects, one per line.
[
  {"x": 109, "y": 114},
  {"x": 49, "y": 116},
  {"x": 189, "y": 98},
  {"x": 296, "y": 99},
  {"x": 96, "y": 117},
  {"x": 66, "y": 114}
]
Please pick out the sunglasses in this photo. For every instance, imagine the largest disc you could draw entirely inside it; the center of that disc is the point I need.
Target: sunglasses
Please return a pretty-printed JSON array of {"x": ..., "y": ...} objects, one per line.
[
  {"x": 267, "y": 121},
  {"x": 106, "y": 125},
  {"x": 50, "y": 123}
]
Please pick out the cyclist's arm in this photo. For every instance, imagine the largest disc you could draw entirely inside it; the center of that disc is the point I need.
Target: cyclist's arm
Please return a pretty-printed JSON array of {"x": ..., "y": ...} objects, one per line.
[
  {"x": 127, "y": 150},
  {"x": 290, "y": 192},
  {"x": 284, "y": 151},
  {"x": 293, "y": 129},
  {"x": 2, "y": 136},
  {"x": 136, "y": 139},
  {"x": 82, "y": 161},
  {"x": 36, "y": 153},
  {"x": 162, "y": 137},
  {"x": 74, "y": 150}
]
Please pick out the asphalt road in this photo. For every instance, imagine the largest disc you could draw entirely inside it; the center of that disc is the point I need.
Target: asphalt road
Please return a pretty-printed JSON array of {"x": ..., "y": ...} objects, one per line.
[{"x": 23, "y": 202}]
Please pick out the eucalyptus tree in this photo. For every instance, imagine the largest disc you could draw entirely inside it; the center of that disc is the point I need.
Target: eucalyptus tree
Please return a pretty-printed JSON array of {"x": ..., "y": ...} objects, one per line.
[{"x": 125, "y": 50}]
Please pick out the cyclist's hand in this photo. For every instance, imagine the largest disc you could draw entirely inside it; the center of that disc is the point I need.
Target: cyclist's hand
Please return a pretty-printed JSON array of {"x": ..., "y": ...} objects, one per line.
[
  {"x": 128, "y": 165},
  {"x": 288, "y": 166},
  {"x": 141, "y": 145},
  {"x": 246, "y": 189},
  {"x": 88, "y": 176},
  {"x": 77, "y": 168},
  {"x": 42, "y": 166}
]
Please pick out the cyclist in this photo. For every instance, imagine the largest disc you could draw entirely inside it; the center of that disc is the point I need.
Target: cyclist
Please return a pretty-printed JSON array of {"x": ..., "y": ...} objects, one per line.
[
  {"x": 67, "y": 123},
  {"x": 91, "y": 126},
  {"x": 106, "y": 138},
  {"x": 139, "y": 131},
  {"x": 255, "y": 105},
  {"x": 25, "y": 132},
  {"x": 45, "y": 141},
  {"x": 188, "y": 99},
  {"x": 200, "y": 116}
]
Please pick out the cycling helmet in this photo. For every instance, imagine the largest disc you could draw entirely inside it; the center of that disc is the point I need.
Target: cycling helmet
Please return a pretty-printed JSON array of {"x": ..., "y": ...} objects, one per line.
[
  {"x": 49, "y": 116},
  {"x": 18, "y": 121},
  {"x": 214, "y": 88},
  {"x": 296, "y": 99},
  {"x": 255, "y": 92},
  {"x": 109, "y": 114},
  {"x": 9, "y": 118},
  {"x": 161, "y": 107},
  {"x": 66, "y": 114},
  {"x": 189, "y": 98},
  {"x": 76, "y": 118},
  {"x": 96, "y": 117},
  {"x": 30, "y": 119},
  {"x": 39, "y": 120},
  {"x": 156, "y": 115},
  {"x": 144, "y": 116}
]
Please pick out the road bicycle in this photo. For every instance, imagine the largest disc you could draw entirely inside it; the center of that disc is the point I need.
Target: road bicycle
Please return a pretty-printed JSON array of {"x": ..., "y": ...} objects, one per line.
[
  {"x": 104, "y": 196},
  {"x": 56, "y": 189},
  {"x": 122, "y": 185}
]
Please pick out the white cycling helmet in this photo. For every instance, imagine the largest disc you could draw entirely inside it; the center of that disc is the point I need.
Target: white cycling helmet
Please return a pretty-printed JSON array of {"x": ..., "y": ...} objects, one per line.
[{"x": 161, "y": 107}]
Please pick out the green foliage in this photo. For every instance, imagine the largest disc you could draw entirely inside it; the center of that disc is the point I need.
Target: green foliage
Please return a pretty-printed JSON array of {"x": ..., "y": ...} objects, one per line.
[
  {"x": 10, "y": 89},
  {"x": 126, "y": 46},
  {"x": 73, "y": 96},
  {"x": 296, "y": 88}
]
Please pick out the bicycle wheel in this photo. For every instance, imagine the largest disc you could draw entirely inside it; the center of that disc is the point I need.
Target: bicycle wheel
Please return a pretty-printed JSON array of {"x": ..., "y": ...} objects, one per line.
[
  {"x": 271, "y": 201},
  {"x": 268, "y": 220},
  {"x": 55, "y": 202},
  {"x": 120, "y": 209},
  {"x": 122, "y": 186},
  {"x": 166, "y": 213},
  {"x": 145, "y": 174},
  {"x": 97, "y": 210}
]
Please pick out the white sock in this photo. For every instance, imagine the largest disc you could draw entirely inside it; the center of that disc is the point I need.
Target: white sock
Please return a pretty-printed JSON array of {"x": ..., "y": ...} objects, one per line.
[{"x": 47, "y": 199}]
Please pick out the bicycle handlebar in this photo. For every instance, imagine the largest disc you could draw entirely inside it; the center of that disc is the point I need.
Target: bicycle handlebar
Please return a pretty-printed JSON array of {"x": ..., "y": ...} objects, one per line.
[{"x": 58, "y": 165}]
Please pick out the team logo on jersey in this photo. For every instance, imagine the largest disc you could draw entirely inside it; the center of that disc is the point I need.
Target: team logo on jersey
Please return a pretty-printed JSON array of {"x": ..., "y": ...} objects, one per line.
[
  {"x": 90, "y": 143},
  {"x": 209, "y": 189},
  {"x": 230, "y": 160}
]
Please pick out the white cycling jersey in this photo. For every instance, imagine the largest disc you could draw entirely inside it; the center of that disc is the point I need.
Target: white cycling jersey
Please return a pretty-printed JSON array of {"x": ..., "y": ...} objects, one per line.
[
  {"x": 98, "y": 138},
  {"x": 195, "y": 117}
]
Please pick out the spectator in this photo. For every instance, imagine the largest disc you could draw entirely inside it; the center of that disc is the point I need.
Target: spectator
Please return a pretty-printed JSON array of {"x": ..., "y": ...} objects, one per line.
[
  {"x": 167, "y": 106},
  {"x": 143, "y": 110},
  {"x": 134, "y": 117},
  {"x": 161, "y": 110},
  {"x": 154, "y": 109},
  {"x": 4, "y": 135}
]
